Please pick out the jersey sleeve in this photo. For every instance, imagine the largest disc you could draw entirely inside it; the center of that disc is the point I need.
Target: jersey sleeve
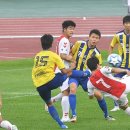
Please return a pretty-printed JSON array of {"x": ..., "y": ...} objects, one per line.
[
  {"x": 106, "y": 70},
  {"x": 74, "y": 48},
  {"x": 64, "y": 46},
  {"x": 114, "y": 41},
  {"x": 59, "y": 62}
]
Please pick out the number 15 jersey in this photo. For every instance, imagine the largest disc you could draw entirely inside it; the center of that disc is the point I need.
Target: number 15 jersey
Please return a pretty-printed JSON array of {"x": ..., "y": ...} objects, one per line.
[{"x": 43, "y": 70}]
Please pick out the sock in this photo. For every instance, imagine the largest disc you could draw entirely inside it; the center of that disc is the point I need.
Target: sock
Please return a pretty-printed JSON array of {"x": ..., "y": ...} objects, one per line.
[
  {"x": 127, "y": 111},
  {"x": 56, "y": 98},
  {"x": 55, "y": 115},
  {"x": 103, "y": 106},
  {"x": 116, "y": 104},
  {"x": 78, "y": 73},
  {"x": 72, "y": 101},
  {"x": 65, "y": 106},
  {"x": 6, "y": 124}
]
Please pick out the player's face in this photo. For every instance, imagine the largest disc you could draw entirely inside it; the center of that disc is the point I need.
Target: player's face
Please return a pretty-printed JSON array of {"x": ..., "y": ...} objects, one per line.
[
  {"x": 69, "y": 31},
  {"x": 93, "y": 39},
  {"x": 127, "y": 27}
]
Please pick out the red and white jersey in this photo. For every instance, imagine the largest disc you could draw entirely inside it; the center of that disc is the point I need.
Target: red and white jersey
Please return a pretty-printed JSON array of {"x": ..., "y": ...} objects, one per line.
[
  {"x": 63, "y": 46},
  {"x": 104, "y": 81}
]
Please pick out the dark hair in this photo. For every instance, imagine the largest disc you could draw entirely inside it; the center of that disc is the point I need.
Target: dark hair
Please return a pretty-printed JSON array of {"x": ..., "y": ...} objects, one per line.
[
  {"x": 46, "y": 41},
  {"x": 68, "y": 23},
  {"x": 96, "y": 31},
  {"x": 92, "y": 63},
  {"x": 126, "y": 19}
]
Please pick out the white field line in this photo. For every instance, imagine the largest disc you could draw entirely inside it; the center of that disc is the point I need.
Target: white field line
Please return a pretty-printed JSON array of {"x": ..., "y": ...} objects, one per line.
[
  {"x": 14, "y": 95},
  {"x": 55, "y": 36}
]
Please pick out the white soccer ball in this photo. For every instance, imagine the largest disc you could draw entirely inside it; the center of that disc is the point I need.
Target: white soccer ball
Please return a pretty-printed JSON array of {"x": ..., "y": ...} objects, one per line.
[{"x": 114, "y": 60}]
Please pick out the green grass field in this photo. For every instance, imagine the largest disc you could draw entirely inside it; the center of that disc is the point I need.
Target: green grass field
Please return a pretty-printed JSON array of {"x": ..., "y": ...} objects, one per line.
[{"x": 23, "y": 107}]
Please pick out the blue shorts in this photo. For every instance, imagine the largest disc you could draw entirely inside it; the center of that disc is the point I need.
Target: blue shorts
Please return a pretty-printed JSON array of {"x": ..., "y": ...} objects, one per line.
[
  {"x": 80, "y": 81},
  {"x": 45, "y": 90},
  {"x": 120, "y": 75}
]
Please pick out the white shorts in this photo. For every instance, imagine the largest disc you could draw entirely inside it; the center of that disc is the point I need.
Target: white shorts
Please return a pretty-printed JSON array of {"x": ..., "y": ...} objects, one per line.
[{"x": 65, "y": 85}]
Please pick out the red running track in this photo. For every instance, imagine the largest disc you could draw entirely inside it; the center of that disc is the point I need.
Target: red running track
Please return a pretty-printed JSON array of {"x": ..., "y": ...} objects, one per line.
[{"x": 16, "y": 48}]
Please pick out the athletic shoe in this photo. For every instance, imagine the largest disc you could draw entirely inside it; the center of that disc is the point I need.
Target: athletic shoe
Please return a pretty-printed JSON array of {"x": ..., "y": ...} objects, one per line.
[
  {"x": 74, "y": 118},
  {"x": 14, "y": 127},
  {"x": 116, "y": 108},
  {"x": 63, "y": 127},
  {"x": 65, "y": 119},
  {"x": 110, "y": 118}
]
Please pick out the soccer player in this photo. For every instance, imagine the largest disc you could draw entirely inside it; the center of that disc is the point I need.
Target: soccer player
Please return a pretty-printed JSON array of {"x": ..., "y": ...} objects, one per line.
[
  {"x": 63, "y": 49},
  {"x": 82, "y": 51},
  {"x": 103, "y": 80},
  {"x": 44, "y": 77},
  {"x": 4, "y": 123},
  {"x": 121, "y": 39}
]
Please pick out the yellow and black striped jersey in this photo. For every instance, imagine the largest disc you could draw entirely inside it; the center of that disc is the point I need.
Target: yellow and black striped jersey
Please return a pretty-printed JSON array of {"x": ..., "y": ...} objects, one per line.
[
  {"x": 81, "y": 53},
  {"x": 43, "y": 70},
  {"x": 123, "y": 41}
]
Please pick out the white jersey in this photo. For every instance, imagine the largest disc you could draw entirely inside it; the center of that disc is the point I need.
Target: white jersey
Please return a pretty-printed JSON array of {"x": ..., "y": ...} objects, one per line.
[{"x": 63, "y": 46}]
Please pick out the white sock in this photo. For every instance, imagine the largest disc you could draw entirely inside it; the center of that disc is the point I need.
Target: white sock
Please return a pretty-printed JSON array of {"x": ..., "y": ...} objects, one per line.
[
  {"x": 6, "y": 124},
  {"x": 65, "y": 106},
  {"x": 127, "y": 111},
  {"x": 58, "y": 97}
]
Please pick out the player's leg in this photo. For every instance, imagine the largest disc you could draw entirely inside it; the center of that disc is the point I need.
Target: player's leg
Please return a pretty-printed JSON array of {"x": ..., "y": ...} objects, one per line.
[
  {"x": 73, "y": 83},
  {"x": 56, "y": 98},
  {"x": 116, "y": 106},
  {"x": 102, "y": 104},
  {"x": 123, "y": 103},
  {"x": 45, "y": 93},
  {"x": 65, "y": 101}
]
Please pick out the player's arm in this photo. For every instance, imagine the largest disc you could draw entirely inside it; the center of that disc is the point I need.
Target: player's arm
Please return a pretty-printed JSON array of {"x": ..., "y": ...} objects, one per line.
[
  {"x": 66, "y": 57},
  {"x": 120, "y": 70}
]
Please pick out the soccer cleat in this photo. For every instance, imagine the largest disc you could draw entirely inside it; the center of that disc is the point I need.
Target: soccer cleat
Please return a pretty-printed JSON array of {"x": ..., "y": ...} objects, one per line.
[
  {"x": 14, "y": 127},
  {"x": 116, "y": 108},
  {"x": 74, "y": 118},
  {"x": 65, "y": 119},
  {"x": 110, "y": 118},
  {"x": 63, "y": 127}
]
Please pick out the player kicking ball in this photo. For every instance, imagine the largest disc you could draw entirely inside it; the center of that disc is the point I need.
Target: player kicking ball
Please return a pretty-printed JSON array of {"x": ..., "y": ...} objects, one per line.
[{"x": 103, "y": 80}]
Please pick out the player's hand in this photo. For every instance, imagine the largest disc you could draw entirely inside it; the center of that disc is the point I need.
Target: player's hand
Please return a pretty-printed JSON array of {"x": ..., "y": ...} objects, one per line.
[
  {"x": 128, "y": 72},
  {"x": 72, "y": 65}
]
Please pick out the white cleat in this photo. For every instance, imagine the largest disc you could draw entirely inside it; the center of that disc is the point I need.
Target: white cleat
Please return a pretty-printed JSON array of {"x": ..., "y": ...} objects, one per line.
[
  {"x": 110, "y": 118},
  {"x": 116, "y": 108},
  {"x": 14, "y": 127},
  {"x": 65, "y": 119}
]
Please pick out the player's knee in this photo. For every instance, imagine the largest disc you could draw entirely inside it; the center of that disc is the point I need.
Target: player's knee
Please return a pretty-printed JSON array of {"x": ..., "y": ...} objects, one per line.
[
  {"x": 73, "y": 88},
  {"x": 98, "y": 95}
]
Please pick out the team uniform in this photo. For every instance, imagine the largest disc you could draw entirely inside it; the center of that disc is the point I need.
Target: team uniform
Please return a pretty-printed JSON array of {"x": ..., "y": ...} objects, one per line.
[
  {"x": 63, "y": 46},
  {"x": 81, "y": 53},
  {"x": 104, "y": 81},
  {"x": 123, "y": 42},
  {"x": 43, "y": 73}
]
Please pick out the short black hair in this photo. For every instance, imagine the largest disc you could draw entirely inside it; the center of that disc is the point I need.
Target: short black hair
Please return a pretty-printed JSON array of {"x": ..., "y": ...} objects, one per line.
[
  {"x": 46, "y": 41},
  {"x": 126, "y": 19},
  {"x": 68, "y": 23},
  {"x": 95, "y": 31},
  {"x": 92, "y": 63}
]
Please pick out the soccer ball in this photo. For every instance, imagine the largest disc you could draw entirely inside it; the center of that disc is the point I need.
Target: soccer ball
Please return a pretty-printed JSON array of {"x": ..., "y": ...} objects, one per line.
[{"x": 114, "y": 60}]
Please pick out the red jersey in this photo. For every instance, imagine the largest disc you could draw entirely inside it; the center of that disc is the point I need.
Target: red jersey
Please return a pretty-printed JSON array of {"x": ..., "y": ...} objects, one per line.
[{"x": 107, "y": 84}]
